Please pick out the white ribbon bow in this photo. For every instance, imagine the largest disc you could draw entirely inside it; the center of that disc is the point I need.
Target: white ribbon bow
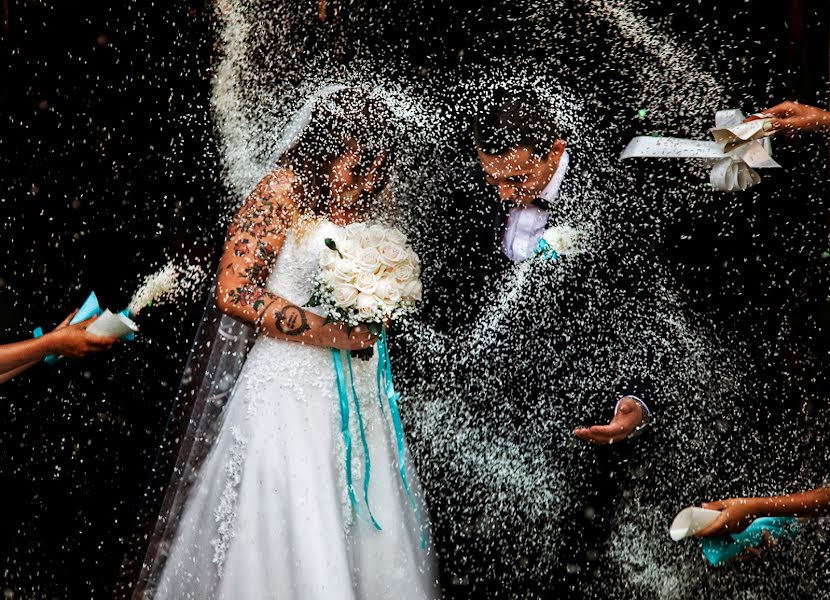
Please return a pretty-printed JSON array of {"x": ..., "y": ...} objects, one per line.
[{"x": 739, "y": 148}]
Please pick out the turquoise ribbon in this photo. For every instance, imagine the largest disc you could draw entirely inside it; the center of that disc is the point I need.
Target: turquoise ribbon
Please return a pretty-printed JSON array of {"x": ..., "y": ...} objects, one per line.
[
  {"x": 718, "y": 550},
  {"x": 367, "y": 463},
  {"x": 385, "y": 370},
  {"x": 344, "y": 424},
  {"x": 385, "y": 386},
  {"x": 546, "y": 250}
]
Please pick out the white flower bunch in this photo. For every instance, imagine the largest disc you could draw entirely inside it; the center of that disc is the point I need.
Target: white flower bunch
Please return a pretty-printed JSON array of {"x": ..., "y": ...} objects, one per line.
[
  {"x": 367, "y": 275},
  {"x": 561, "y": 240}
]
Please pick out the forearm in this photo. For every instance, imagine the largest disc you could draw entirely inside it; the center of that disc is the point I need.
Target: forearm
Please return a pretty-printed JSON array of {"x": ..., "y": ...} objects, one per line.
[
  {"x": 270, "y": 314},
  {"x": 5, "y": 376},
  {"x": 18, "y": 354},
  {"x": 812, "y": 503}
]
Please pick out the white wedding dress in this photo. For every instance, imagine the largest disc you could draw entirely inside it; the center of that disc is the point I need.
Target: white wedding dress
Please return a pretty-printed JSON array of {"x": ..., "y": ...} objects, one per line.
[{"x": 269, "y": 516}]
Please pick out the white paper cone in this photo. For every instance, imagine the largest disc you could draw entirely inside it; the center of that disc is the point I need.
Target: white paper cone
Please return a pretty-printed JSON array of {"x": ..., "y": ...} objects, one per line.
[
  {"x": 691, "y": 520},
  {"x": 112, "y": 325}
]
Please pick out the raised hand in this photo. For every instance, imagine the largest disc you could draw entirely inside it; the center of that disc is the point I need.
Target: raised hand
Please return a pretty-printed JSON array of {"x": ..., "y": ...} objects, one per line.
[
  {"x": 628, "y": 417},
  {"x": 793, "y": 117}
]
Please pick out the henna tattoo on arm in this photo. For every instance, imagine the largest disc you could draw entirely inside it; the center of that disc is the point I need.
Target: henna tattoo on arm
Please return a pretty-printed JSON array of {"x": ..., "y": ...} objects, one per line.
[
  {"x": 251, "y": 295},
  {"x": 291, "y": 320}
]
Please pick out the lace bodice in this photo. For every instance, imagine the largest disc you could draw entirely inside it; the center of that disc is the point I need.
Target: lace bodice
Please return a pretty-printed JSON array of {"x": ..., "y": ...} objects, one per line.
[{"x": 298, "y": 261}]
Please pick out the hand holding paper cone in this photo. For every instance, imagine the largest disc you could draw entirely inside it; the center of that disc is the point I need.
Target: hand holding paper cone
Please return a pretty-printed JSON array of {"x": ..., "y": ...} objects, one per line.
[
  {"x": 690, "y": 521},
  {"x": 739, "y": 148},
  {"x": 77, "y": 341}
]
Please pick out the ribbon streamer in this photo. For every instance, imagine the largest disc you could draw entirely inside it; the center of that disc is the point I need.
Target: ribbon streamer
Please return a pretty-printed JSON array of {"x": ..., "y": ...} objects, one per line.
[
  {"x": 385, "y": 386},
  {"x": 343, "y": 394},
  {"x": 385, "y": 368},
  {"x": 367, "y": 463},
  {"x": 739, "y": 148}
]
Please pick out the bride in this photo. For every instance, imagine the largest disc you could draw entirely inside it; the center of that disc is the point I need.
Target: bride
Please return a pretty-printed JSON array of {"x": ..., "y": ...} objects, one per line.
[{"x": 268, "y": 514}]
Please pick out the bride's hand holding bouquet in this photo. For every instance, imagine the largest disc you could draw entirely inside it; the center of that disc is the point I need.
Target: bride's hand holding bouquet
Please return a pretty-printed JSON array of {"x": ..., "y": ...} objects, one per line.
[{"x": 368, "y": 277}]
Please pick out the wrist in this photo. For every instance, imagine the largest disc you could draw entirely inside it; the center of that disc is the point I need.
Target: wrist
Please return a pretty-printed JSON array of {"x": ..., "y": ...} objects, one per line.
[
  {"x": 761, "y": 507},
  {"x": 52, "y": 342}
]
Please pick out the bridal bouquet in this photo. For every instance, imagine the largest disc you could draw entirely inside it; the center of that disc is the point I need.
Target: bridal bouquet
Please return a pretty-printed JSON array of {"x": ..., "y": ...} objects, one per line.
[{"x": 367, "y": 276}]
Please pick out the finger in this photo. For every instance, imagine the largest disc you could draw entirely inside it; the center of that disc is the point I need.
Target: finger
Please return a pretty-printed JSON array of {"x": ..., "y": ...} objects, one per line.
[
  {"x": 717, "y": 505},
  {"x": 715, "y": 528},
  {"x": 101, "y": 340},
  {"x": 99, "y": 346},
  {"x": 85, "y": 324},
  {"x": 785, "y": 109},
  {"x": 588, "y": 435},
  {"x": 769, "y": 540},
  {"x": 65, "y": 322},
  {"x": 614, "y": 429}
]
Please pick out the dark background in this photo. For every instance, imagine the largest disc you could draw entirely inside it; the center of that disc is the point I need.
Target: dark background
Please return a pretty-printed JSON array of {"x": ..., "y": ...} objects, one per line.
[{"x": 108, "y": 157}]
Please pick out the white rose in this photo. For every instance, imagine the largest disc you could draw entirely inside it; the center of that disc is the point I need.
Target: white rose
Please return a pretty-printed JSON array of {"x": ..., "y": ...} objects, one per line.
[
  {"x": 396, "y": 237},
  {"x": 328, "y": 259},
  {"x": 366, "y": 307},
  {"x": 355, "y": 230},
  {"x": 403, "y": 272},
  {"x": 369, "y": 260},
  {"x": 329, "y": 277},
  {"x": 345, "y": 295},
  {"x": 388, "y": 290},
  {"x": 413, "y": 260},
  {"x": 366, "y": 282},
  {"x": 413, "y": 290},
  {"x": 344, "y": 270},
  {"x": 376, "y": 235},
  {"x": 392, "y": 254},
  {"x": 348, "y": 248}
]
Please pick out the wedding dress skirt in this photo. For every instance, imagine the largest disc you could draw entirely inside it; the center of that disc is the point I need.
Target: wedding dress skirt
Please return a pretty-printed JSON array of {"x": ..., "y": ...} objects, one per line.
[{"x": 269, "y": 516}]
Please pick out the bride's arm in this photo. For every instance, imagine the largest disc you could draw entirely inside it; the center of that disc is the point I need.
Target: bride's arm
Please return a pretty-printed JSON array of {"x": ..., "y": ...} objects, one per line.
[{"x": 254, "y": 240}]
